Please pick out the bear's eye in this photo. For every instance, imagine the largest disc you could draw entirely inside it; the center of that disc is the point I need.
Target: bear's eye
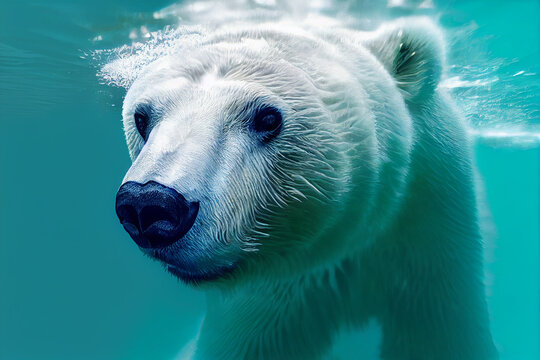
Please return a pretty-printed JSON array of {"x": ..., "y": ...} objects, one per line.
[
  {"x": 142, "y": 120},
  {"x": 267, "y": 123}
]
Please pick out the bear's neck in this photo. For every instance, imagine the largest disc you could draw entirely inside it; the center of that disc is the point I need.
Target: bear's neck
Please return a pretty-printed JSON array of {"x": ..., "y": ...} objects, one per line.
[{"x": 282, "y": 319}]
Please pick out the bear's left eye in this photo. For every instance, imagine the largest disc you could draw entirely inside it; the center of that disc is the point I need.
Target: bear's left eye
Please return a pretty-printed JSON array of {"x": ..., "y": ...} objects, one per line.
[
  {"x": 267, "y": 123},
  {"x": 142, "y": 120}
]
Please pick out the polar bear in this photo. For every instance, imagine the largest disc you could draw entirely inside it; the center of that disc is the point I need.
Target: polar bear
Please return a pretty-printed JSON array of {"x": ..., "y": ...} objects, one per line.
[{"x": 310, "y": 180}]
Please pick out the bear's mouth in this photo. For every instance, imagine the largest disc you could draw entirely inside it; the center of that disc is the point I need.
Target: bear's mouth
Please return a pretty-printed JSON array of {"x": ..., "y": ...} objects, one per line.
[
  {"x": 197, "y": 277},
  {"x": 193, "y": 273}
]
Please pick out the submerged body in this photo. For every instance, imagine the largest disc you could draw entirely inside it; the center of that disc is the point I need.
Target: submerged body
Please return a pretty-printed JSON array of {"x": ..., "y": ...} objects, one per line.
[{"x": 333, "y": 184}]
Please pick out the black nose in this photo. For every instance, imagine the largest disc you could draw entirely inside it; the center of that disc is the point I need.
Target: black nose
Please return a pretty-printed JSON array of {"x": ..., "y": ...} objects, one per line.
[{"x": 154, "y": 215}]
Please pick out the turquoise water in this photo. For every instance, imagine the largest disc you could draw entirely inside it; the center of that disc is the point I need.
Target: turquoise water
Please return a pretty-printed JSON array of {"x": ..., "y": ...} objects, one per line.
[{"x": 72, "y": 283}]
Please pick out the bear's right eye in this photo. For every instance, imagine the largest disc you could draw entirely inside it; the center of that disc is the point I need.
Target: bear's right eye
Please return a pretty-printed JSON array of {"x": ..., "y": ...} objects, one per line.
[{"x": 142, "y": 120}]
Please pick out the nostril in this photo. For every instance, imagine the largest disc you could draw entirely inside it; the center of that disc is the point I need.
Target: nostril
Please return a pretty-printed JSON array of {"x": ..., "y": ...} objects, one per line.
[
  {"x": 128, "y": 216},
  {"x": 152, "y": 214}
]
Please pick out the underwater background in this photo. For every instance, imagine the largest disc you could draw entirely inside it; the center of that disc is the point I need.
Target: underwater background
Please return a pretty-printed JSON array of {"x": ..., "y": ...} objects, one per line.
[{"x": 72, "y": 283}]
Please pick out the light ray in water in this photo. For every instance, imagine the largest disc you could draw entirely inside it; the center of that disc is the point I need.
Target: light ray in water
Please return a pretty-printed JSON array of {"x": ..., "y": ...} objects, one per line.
[{"x": 507, "y": 137}]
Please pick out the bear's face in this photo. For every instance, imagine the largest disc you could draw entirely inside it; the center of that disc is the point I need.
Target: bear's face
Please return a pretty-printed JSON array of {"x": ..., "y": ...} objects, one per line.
[
  {"x": 270, "y": 151},
  {"x": 241, "y": 140}
]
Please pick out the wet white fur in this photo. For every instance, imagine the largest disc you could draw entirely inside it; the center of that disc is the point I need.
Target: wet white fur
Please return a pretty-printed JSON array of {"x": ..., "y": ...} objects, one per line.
[{"x": 363, "y": 207}]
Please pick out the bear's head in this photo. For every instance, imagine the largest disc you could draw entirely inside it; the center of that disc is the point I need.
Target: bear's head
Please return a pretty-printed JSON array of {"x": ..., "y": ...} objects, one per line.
[{"x": 261, "y": 151}]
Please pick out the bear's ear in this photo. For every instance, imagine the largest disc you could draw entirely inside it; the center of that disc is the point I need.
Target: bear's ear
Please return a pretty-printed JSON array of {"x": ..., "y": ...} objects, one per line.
[{"x": 412, "y": 51}]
